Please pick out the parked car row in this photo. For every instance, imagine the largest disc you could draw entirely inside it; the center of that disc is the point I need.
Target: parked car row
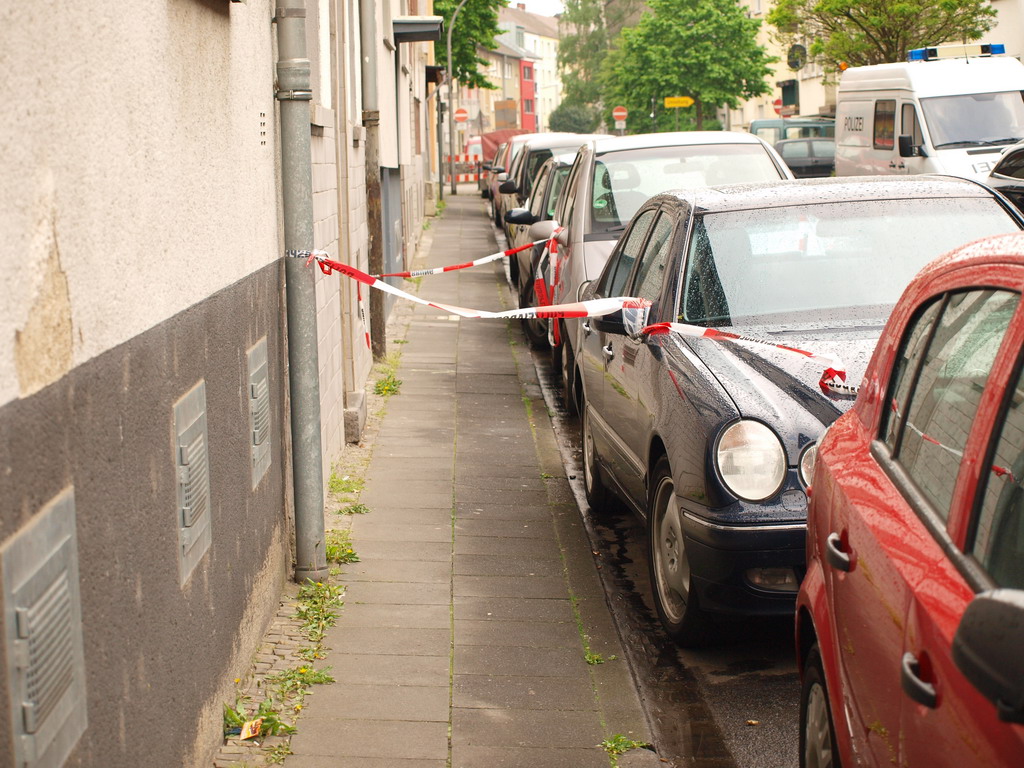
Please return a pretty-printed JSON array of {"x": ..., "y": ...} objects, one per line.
[{"x": 712, "y": 421}]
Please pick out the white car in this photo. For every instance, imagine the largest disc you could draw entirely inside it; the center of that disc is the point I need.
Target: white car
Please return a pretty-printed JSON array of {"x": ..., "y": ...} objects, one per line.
[{"x": 610, "y": 180}]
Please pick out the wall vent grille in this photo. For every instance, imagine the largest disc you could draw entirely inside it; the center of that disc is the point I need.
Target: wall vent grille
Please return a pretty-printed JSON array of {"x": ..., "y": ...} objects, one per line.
[
  {"x": 259, "y": 410},
  {"x": 193, "y": 465},
  {"x": 43, "y": 620}
]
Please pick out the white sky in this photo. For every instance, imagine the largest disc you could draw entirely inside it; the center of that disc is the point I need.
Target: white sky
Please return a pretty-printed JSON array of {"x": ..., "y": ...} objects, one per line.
[{"x": 543, "y": 7}]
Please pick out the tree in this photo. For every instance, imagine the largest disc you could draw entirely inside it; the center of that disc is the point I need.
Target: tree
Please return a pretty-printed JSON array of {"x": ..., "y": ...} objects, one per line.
[
  {"x": 704, "y": 49},
  {"x": 476, "y": 24},
  {"x": 859, "y": 32},
  {"x": 585, "y": 28},
  {"x": 573, "y": 117}
]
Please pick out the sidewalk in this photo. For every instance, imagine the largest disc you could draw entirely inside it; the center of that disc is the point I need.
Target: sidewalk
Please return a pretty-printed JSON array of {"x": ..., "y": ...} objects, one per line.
[{"x": 467, "y": 622}]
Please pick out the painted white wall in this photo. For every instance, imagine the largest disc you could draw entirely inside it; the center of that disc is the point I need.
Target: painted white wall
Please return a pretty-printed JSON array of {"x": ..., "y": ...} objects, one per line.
[{"x": 140, "y": 164}]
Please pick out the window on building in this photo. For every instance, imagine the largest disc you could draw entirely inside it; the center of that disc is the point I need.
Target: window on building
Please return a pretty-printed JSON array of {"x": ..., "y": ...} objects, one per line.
[
  {"x": 527, "y": 72},
  {"x": 528, "y": 106}
]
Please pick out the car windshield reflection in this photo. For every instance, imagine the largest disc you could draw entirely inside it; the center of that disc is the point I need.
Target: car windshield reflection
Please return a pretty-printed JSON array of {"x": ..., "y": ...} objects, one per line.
[{"x": 815, "y": 262}]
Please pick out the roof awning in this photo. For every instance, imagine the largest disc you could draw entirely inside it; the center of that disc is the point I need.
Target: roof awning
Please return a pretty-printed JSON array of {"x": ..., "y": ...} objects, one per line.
[{"x": 417, "y": 29}]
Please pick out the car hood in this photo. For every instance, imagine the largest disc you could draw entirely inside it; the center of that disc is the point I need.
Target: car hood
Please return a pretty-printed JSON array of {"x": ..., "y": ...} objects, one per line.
[{"x": 782, "y": 388}]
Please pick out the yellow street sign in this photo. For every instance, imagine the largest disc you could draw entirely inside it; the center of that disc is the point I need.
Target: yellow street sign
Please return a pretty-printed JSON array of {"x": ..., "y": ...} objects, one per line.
[{"x": 678, "y": 101}]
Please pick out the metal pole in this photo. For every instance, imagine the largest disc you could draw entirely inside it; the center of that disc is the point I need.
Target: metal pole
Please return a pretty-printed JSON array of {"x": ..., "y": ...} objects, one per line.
[
  {"x": 371, "y": 170},
  {"x": 451, "y": 120},
  {"x": 294, "y": 93}
]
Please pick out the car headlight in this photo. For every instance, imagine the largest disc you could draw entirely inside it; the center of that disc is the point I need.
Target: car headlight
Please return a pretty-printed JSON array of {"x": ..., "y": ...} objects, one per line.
[
  {"x": 751, "y": 460},
  {"x": 806, "y": 466}
]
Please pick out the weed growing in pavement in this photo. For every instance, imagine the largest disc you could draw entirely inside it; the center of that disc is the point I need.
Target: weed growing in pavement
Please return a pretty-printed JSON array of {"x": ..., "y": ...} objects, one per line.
[
  {"x": 546, "y": 476},
  {"x": 354, "y": 509},
  {"x": 311, "y": 653},
  {"x": 596, "y": 658},
  {"x": 297, "y": 681},
  {"x": 400, "y": 341},
  {"x": 277, "y": 754},
  {"x": 236, "y": 716},
  {"x": 343, "y": 486},
  {"x": 339, "y": 547},
  {"x": 414, "y": 280},
  {"x": 387, "y": 386},
  {"x": 441, "y": 205},
  {"x": 619, "y": 745},
  {"x": 318, "y": 608}
]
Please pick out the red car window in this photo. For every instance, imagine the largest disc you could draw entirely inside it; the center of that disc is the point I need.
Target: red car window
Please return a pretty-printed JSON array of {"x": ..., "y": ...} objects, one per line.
[
  {"x": 914, "y": 344},
  {"x": 998, "y": 539},
  {"x": 948, "y": 388}
]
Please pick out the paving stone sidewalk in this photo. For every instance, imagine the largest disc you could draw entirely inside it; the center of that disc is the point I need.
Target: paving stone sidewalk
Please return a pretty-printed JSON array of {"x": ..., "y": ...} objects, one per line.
[{"x": 468, "y": 623}]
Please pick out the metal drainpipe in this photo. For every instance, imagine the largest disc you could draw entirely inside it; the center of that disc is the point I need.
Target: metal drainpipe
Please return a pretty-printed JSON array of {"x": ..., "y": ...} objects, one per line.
[
  {"x": 295, "y": 93},
  {"x": 374, "y": 213}
]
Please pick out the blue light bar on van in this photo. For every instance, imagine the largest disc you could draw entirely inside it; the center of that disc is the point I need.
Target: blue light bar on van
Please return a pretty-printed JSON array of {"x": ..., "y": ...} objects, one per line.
[{"x": 956, "y": 51}]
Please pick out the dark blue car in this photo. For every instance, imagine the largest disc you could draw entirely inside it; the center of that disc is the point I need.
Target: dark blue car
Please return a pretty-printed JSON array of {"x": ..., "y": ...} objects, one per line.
[{"x": 712, "y": 440}]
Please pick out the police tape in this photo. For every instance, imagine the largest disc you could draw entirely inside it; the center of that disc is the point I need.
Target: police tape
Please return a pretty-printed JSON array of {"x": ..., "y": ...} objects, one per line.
[
  {"x": 833, "y": 379},
  {"x": 594, "y": 308},
  {"x": 634, "y": 312},
  {"x": 466, "y": 265}
]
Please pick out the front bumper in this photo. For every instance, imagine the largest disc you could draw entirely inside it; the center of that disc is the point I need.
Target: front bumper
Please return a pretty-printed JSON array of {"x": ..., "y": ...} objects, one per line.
[{"x": 721, "y": 557}]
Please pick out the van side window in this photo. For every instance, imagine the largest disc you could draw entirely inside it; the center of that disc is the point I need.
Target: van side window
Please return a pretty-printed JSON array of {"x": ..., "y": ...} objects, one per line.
[
  {"x": 909, "y": 126},
  {"x": 885, "y": 124}
]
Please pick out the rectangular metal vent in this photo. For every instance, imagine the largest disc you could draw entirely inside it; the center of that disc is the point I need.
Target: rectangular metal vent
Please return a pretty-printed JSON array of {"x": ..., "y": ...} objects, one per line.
[
  {"x": 193, "y": 466},
  {"x": 43, "y": 626},
  {"x": 259, "y": 410}
]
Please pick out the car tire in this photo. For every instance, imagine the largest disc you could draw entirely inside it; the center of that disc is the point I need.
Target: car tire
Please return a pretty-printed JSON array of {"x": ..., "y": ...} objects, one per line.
[
  {"x": 569, "y": 390},
  {"x": 817, "y": 732},
  {"x": 535, "y": 329},
  {"x": 674, "y": 601},
  {"x": 599, "y": 497}
]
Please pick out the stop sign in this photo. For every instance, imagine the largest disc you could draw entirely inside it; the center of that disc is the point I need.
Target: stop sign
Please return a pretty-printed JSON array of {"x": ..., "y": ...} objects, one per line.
[
  {"x": 777, "y": 104},
  {"x": 620, "y": 113},
  {"x": 461, "y": 115}
]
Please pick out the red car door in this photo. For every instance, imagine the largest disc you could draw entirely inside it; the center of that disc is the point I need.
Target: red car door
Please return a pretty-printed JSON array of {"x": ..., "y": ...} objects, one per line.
[
  {"x": 870, "y": 562},
  {"x": 945, "y": 721}
]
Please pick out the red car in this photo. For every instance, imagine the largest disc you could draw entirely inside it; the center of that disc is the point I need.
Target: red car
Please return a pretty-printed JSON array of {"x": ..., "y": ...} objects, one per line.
[{"x": 910, "y": 620}]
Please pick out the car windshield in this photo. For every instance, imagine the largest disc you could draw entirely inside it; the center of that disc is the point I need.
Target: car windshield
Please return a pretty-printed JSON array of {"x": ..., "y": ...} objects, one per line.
[
  {"x": 625, "y": 179},
  {"x": 974, "y": 119},
  {"x": 809, "y": 264}
]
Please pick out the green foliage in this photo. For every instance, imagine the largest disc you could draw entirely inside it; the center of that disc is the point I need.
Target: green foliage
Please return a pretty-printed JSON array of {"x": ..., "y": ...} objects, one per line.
[
  {"x": 860, "y": 32},
  {"x": 342, "y": 486},
  {"x": 619, "y": 745},
  {"x": 339, "y": 548},
  {"x": 476, "y": 24},
  {"x": 318, "y": 608},
  {"x": 236, "y": 716},
  {"x": 296, "y": 681},
  {"x": 582, "y": 47},
  {"x": 387, "y": 385},
  {"x": 354, "y": 509},
  {"x": 573, "y": 117},
  {"x": 704, "y": 49}
]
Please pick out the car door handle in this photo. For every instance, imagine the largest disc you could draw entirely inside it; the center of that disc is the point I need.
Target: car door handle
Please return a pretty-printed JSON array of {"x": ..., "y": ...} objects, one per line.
[
  {"x": 586, "y": 328},
  {"x": 917, "y": 689},
  {"x": 608, "y": 351},
  {"x": 836, "y": 557}
]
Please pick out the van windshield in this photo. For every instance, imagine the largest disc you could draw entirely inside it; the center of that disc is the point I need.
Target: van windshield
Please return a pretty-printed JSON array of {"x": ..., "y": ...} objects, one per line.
[{"x": 974, "y": 119}]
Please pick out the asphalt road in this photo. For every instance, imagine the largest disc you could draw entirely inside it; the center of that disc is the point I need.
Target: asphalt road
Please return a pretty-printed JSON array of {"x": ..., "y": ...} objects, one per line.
[{"x": 731, "y": 705}]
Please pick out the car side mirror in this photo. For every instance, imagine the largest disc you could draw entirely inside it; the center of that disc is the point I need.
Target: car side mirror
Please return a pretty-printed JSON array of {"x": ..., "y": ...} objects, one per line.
[
  {"x": 563, "y": 237},
  {"x": 521, "y": 216},
  {"x": 987, "y": 649},
  {"x": 508, "y": 187},
  {"x": 542, "y": 230},
  {"x": 612, "y": 323},
  {"x": 485, "y": 166},
  {"x": 908, "y": 148}
]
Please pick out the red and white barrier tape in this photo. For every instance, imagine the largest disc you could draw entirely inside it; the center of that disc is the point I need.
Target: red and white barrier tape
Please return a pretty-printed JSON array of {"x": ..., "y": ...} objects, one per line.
[
  {"x": 833, "y": 379},
  {"x": 466, "y": 265}
]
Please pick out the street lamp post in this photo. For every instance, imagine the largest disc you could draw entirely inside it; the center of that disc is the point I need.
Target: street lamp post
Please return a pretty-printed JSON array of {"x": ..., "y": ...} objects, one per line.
[{"x": 451, "y": 120}]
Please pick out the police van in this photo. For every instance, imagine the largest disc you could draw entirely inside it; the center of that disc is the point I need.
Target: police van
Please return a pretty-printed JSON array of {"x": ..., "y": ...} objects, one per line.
[{"x": 949, "y": 109}]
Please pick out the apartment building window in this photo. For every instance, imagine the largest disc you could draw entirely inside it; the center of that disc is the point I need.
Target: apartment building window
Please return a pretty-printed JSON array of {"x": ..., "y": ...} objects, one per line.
[
  {"x": 508, "y": 71},
  {"x": 528, "y": 106},
  {"x": 527, "y": 72}
]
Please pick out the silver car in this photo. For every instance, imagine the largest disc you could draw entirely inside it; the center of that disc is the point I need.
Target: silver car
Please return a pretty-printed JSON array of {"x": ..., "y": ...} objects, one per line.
[{"x": 610, "y": 180}]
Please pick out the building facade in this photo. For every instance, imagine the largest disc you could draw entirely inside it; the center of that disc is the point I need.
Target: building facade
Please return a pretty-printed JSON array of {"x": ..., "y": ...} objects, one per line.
[{"x": 146, "y": 522}]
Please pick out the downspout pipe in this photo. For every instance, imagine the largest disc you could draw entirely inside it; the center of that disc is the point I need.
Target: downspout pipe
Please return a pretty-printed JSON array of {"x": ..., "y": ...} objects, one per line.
[
  {"x": 374, "y": 213},
  {"x": 294, "y": 92}
]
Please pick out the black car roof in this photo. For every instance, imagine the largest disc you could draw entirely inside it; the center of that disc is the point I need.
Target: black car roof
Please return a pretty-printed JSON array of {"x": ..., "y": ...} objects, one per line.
[{"x": 775, "y": 194}]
